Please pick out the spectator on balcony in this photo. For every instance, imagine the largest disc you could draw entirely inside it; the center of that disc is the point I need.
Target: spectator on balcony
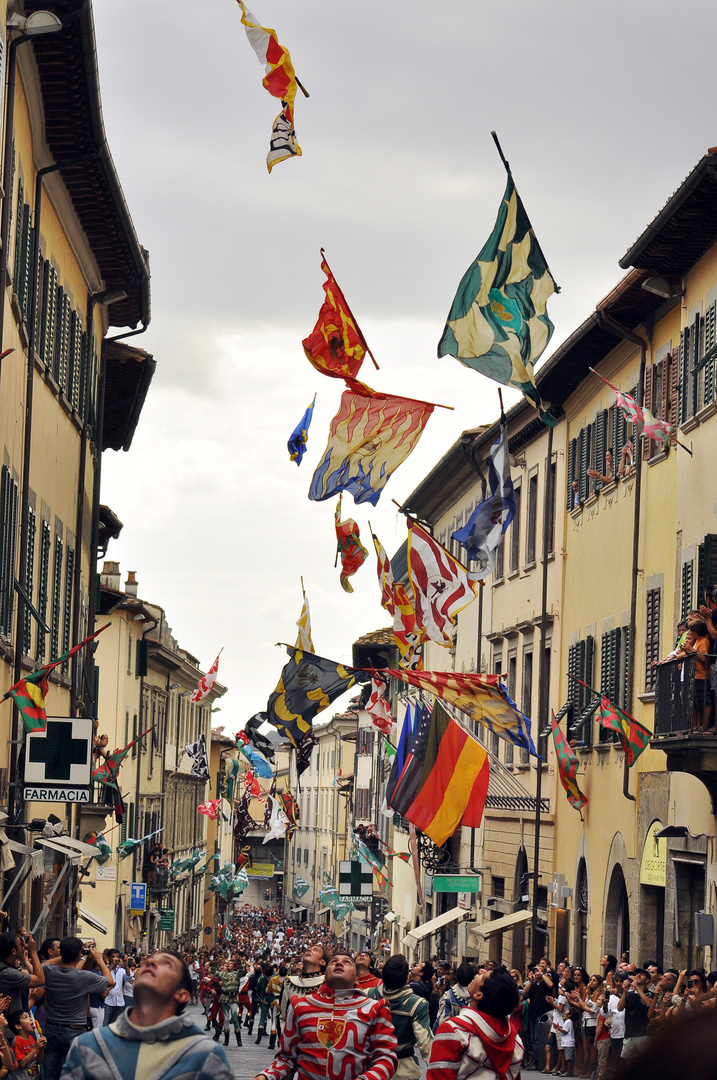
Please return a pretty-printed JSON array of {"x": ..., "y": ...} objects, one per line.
[
  {"x": 698, "y": 642},
  {"x": 627, "y": 459}
]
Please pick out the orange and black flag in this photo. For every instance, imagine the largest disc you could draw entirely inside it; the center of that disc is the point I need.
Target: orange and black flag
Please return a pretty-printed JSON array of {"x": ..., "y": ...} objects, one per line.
[{"x": 445, "y": 780}]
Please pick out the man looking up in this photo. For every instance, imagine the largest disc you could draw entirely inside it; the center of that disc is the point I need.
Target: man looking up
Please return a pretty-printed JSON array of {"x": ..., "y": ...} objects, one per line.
[
  {"x": 409, "y": 1013},
  {"x": 365, "y": 978},
  {"x": 153, "y": 1038},
  {"x": 480, "y": 1042},
  {"x": 311, "y": 976},
  {"x": 336, "y": 1031}
]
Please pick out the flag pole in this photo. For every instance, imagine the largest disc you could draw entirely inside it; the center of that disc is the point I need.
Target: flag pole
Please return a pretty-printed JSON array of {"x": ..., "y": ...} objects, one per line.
[
  {"x": 416, "y": 401},
  {"x": 363, "y": 339}
]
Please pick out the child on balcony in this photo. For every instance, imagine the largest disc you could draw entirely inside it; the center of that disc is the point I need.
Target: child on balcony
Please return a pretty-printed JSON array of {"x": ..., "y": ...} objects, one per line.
[{"x": 698, "y": 642}]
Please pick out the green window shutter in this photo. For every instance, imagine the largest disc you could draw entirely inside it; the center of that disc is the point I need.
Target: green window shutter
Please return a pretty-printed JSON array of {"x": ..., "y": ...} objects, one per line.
[
  {"x": 599, "y": 447},
  {"x": 84, "y": 350},
  {"x": 19, "y": 242},
  {"x": 48, "y": 314},
  {"x": 74, "y": 374},
  {"x": 142, "y": 658},
  {"x": 44, "y": 587},
  {"x": 688, "y": 573},
  {"x": 710, "y": 339},
  {"x": 619, "y": 426},
  {"x": 684, "y": 375},
  {"x": 62, "y": 350},
  {"x": 67, "y": 614},
  {"x": 11, "y": 187},
  {"x": 624, "y": 647},
  {"x": 29, "y": 578},
  {"x": 652, "y": 637},
  {"x": 56, "y": 599},
  {"x": 23, "y": 284},
  {"x": 570, "y": 474},
  {"x": 706, "y": 566},
  {"x": 8, "y": 533},
  {"x": 583, "y": 463},
  {"x": 608, "y": 675}
]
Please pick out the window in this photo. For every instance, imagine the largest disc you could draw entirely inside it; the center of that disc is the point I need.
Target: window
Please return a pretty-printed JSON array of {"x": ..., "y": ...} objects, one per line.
[
  {"x": 551, "y": 519},
  {"x": 24, "y": 240},
  {"x": 512, "y": 673},
  {"x": 532, "y": 518},
  {"x": 613, "y": 671},
  {"x": 580, "y": 665},
  {"x": 599, "y": 449},
  {"x": 498, "y": 886},
  {"x": 527, "y": 695},
  {"x": 56, "y": 599},
  {"x": 363, "y": 803},
  {"x": 44, "y": 587},
  {"x": 688, "y": 574},
  {"x": 8, "y": 537},
  {"x": 515, "y": 534},
  {"x": 364, "y": 741},
  {"x": 67, "y": 620},
  {"x": 129, "y": 654},
  {"x": 499, "y": 558},
  {"x": 652, "y": 637},
  {"x": 690, "y": 351},
  {"x": 29, "y": 577}
]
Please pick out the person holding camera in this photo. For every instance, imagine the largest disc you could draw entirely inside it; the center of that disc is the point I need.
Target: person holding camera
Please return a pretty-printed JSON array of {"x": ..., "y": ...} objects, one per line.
[
  {"x": 67, "y": 986},
  {"x": 15, "y": 980}
]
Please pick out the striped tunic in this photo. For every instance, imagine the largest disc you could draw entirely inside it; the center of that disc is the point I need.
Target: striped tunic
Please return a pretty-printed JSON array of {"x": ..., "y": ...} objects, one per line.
[
  {"x": 459, "y": 1053},
  {"x": 336, "y": 1035}
]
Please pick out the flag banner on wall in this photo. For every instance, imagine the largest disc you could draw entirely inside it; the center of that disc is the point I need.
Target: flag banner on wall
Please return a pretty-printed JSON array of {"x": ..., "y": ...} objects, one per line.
[{"x": 568, "y": 765}]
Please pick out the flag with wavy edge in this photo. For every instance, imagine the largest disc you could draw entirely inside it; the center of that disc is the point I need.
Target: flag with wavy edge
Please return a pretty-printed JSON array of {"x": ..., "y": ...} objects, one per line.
[
  {"x": 397, "y": 599},
  {"x": 568, "y": 765},
  {"x": 633, "y": 736},
  {"x": 441, "y": 586},
  {"x": 308, "y": 685},
  {"x": 304, "y": 640},
  {"x": 498, "y": 322},
  {"x": 350, "y": 549},
  {"x": 370, "y": 436},
  {"x": 336, "y": 346},
  {"x": 107, "y": 772},
  {"x": 639, "y": 415},
  {"x": 300, "y": 435}
]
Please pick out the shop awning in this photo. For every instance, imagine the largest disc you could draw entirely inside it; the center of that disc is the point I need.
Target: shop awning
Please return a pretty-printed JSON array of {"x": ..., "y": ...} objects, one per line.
[
  {"x": 391, "y": 917},
  {"x": 70, "y": 855},
  {"x": 298, "y": 907},
  {"x": 412, "y": 938},
  {"x": 92, "y": 920},
  {"x": 68, "y": 842},
  {"x": 499, "y": 926}
]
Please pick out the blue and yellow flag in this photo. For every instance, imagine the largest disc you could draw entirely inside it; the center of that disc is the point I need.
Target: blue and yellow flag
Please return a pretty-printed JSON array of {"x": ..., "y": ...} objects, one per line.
[
  {"x": 307, "y": 686},
  {"x": 498, "y": 323},
  {"x": 300, "y": 435},
  {"x": 370, "y": 436}
]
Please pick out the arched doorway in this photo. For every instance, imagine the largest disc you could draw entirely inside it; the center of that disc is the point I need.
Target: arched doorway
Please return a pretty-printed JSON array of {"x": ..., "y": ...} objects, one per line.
[
  {"x": 616, "y": 932},
  {"x": 581, "y": 915},
  {"x": 520, "y": 889}
]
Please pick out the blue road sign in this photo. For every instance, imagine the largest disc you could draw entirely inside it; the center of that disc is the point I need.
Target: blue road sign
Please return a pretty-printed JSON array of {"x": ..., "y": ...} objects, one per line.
[{"x": 138, "y": 896}]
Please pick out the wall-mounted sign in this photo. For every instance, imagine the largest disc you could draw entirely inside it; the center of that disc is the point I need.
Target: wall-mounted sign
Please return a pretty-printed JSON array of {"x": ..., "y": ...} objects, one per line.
[
  {"x": 653, "y": 865},
  {"x": 58, "y": 761},
  {"x": 106, "y": 873},
  {"x": 458, "y": 883}
]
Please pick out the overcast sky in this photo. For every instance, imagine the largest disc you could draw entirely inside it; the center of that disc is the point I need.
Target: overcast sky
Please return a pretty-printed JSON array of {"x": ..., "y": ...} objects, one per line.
[{"x": 601, "y": 110}]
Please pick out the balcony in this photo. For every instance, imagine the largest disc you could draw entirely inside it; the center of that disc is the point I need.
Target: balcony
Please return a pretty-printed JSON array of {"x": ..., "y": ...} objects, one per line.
[
  {"x": 685, "y": 721},
  {"x": 156, "y": 878}
]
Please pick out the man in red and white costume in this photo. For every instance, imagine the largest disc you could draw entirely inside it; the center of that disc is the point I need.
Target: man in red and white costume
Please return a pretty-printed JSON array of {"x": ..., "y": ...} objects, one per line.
[
  {"x": 480, "y": 1043},
  {"x": 336, "y": 1032}
]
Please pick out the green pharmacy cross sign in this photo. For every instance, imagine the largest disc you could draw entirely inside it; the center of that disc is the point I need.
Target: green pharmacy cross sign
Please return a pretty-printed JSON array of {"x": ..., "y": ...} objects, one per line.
[
  {"x": 58, "y": 751},
  {"x": 355, "y": 879},
  {"x": 58, "y": 761}
]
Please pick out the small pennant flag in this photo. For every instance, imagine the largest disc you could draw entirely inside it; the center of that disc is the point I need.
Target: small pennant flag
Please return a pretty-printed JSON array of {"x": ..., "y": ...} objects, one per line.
[
  {"x": 303, "y": 638},
  {"x": 301, "y": 887},
  {"x": 300, "y": 435}
]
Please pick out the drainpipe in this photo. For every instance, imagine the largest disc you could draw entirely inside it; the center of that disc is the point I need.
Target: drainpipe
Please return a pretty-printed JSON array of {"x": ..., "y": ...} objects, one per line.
[{"x": 617, "y": 328}]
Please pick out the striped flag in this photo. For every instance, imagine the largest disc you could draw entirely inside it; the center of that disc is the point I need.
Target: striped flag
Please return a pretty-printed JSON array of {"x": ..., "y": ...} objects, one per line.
[
  {"x": 441, "y": 585},
  {"x": 378, "y": 708},
  {"x": 350, "y": 549},
  {"x": 396, "y": 598},
  {"x": 303, "y": 638},
  {"x": 645, "y": 423},
  {"x": 301, "y": 887},
  {"x": 567, "y": 767},
  {"x": 206, "y": 683},
  {"x": 445, "y": 778}
]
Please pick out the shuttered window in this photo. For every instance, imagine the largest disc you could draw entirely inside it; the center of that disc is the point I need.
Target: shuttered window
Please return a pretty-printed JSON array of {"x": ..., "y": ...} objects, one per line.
[
  {"x": 24, "y": 236},
  {"x": 48, "y": 315},
  {"x": 84, "y": 349},
  {"x": 515, "y": 534},
  {"x": 29, "y": 578},
  {"x": 500, "y": 560},
  {"x": 570, "y": 474},
  {"x": 688, "y": 576},
  {"x": 43, "y": 592},
  {"x": 690, "y": 341},
  {"x": 609, "y": 677},
  {"x": 580, "y": 665},
  {"x": 62, "y": 347},
  {"x": 652, "y": 637},
  {"x": 706, "y": 566},
  {"x": 583, "y": 464},
  {"x": 599, "y": 448},
  {"x": 708, "y": 357},
  {"x": 75, "y": 367},
  {"x": 56, "y": 599},
  {"x": 362, "y": 806},
  {"x": 532, "y": 518},
  {"x": 67, "y": 615},
  {"x": 8, "y": 538}
]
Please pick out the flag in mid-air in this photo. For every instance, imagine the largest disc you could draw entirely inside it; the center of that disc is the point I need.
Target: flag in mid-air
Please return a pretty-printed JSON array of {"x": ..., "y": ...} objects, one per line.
[
  {"x": 482, "y": 534},
  {"x": 303, "y": 638},
  {"x": 280, "y": 81},
  {"x": 300, "y": 435},
  {"x": 445, "y": 779},
  {"x": 197, "y": 751},
  {"x": 441, "y": 585},
  {"x": 370, "y": 436},
  {"x": 30, "y": 692},
  {"x": 108, "y": 771},
  {"x": 257, "y": 761},
  {"x": 397, "y": 599},
  {"x": 275, "y": 820},
  {"x": 211, "y": 808},
  {"x": 206, "y": 683},
  {"x": 482, "y": 697},
  {"x": 350, "y": 549},
  {"x": 130, "y": 845},
  {"x": 335, "y": 346},
  {"x": 97, "y": 839},
  {"x": 639, "y": 415},
  {"x": 301, "y": 887},
  {"x": 634, "y": 738},
  {"x": 568, "y": 765},
  {"x": 498, "y": 323},
  {"x": 378, "y": 707},
  {"x": 307, "y": 686}
]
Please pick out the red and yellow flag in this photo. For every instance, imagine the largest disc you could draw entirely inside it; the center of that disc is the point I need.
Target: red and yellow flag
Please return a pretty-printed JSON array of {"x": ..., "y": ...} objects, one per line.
[
  {"x": 351, "y": 551},
  {"x": 335, "y": 346}
]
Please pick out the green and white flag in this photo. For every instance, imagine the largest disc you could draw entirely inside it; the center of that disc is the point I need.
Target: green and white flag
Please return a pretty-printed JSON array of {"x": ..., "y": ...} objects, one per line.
[
  {"x": 301, "y": 888},
  {"x": 498, "y": 323}
]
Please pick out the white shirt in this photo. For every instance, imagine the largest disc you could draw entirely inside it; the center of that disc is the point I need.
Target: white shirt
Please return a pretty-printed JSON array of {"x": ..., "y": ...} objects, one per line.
[
  {"x": 116, "y": 996},
  {"x": 617, "y": 1030},
  {"x": 568, "y": 1033}
]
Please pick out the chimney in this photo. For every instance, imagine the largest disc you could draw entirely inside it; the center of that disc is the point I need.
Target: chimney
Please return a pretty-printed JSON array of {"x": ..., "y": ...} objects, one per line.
[
  {"x": 110, "y": 575},
  {"x": 131, "y": 584}
]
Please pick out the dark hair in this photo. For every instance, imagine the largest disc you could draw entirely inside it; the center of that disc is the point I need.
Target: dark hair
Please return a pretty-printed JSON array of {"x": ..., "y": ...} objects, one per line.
[
  {"x": 13, "y": 1018},
  {"x": 568, "y": 985},
  {"x": 500, "y": 994},
  {"x": 44, "y": 951},
  {"x": 428, "y": 971},
  {"x": 8, "y": 941},
  {"x": 342, "y": 952},
  {"x": 185, "y": 978},
  {"x": 465, "y": 974},
  {"x": 70, "y": 949},
  {"x": 611, "y": 962},
  {"x": 395, "y": 972}
]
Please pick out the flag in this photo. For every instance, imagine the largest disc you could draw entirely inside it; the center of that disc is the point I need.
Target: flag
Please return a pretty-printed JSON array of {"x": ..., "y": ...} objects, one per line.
[
  {"x": 257, "y": 739},
  {"x": 482, "y": 697},
  {"x": 370, "y": 436},
  {"x": 300, "y": 435},
  {"x": 277, "y": 821},
  {"x": 639, "y": 415},
  {"x": 304, "y": 751},
  {"x": 397, "y": 599},
  {"x": 212, "y": 858},
  {"x": 441, "y": 585},
  {"x": 307, "y": 686},
  {"x": 632, "y": 735},
  {"x": 251, "y": 784},
  {"x": 108, "y": 771},
  {"x": 30, "y": 692},
  {"x": 231, "y": 773},
  {"x": 198, "y": 753},
  {"x": 378, "y": 708},
  {"x": 363, "y": 851},
  {"x": 303, "y": 638},
  {"x": 390, "y": 750},
  {"x": 381, "y": 880},
  {"x": 104, "y": 851},
  {"x": 401, "y": 753},
  {"x": 291, "y": 812},
  {"x": 243, "y": 821},
  {"x": 258, "y": 762},
  {"x": 128, "y": 846},
  {"x": 445, "y": 778},
  {"x": 498, "y": 323},
  {"x": 352, "y": 552},
  {"x": 335, "y": 346},
  {"x": 280, "y": 81},
  {"x": 211, "y": 808},
  {"x": 244, "y": 858},
  {"x": 206, "y": 683},
  {"x": 300, "y": 889},
  {"x": 567, "y": 767},
  {"x": 482, "y": 534}
]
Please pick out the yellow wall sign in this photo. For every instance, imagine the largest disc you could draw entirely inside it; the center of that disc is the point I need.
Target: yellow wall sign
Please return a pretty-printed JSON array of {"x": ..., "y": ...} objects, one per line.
[
  {"x": 260, "y": 869},
  {"x": 653, "y": 866}
]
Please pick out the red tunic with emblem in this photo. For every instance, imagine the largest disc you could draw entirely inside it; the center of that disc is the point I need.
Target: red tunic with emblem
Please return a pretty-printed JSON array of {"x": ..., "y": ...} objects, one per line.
[{"x": 336, "y": 1035}]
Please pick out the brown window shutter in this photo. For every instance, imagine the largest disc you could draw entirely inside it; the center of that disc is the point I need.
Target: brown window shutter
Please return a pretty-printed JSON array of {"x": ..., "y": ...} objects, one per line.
[
  {"x": 647, "y": 447},
  {"x": 673, "y": 381}
]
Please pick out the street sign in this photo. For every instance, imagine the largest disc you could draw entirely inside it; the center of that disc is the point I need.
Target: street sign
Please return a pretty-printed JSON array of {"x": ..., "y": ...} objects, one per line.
[
  {"x": 137, "y": 896},
  {"x": 355, "y": 879},
  {"x": 166, "y": 918},
  {"x": 58, "y": 761},
  {"x": 456, "y": 883}
]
